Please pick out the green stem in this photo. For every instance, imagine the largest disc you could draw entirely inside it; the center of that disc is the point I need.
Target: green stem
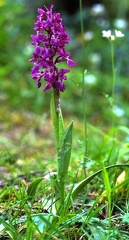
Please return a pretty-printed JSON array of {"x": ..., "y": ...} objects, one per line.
[
  {"x": 57, "y": 119},
  {"x": 83, "y": 92},
  {"x": 58, "y": 129},
  {"x": 63, "y": 144},
  {"x": 113, "y": 84}
]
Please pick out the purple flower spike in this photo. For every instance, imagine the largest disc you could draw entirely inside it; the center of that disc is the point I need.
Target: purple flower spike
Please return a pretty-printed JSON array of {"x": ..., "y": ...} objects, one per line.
[{"x": 50, "y": 42}]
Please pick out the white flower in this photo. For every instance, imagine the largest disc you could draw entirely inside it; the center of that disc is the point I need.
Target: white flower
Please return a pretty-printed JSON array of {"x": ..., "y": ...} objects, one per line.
[
  {"x": 112, "y": 37},
  {"x": 108, "y": 34},
  {"x": 119, "y": 33}
]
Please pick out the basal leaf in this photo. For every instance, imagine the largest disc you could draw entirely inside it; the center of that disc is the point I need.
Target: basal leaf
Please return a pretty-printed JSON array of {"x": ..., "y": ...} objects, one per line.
[
  {"x": 65, "y": 152},
  {"x": 33, "y": 187}
]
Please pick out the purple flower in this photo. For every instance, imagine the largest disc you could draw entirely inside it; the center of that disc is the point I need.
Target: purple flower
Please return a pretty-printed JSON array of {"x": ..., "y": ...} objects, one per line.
[{"x": 50, "y": 40}]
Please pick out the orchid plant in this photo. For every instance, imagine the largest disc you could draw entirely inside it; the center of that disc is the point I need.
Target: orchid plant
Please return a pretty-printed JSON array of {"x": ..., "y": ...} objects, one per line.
[{"x": 49, "y": 41}]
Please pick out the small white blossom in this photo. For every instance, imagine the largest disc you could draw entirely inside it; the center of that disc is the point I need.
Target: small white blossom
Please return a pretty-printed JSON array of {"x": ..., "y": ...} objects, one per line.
[
  {"x": 108, "y": 34},
  {"x": 119, "y": 33},
  {"x": 112, "y": 37}
]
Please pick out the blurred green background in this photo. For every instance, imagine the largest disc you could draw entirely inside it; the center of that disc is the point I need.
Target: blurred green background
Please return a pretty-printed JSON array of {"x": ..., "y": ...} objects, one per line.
[{"x": 18, "y": 92}]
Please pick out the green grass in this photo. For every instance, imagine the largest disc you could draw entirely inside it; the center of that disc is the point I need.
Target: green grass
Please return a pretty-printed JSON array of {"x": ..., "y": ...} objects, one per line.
[
  {"x": 27, "y": 153},
  {"x": 87, "y": 217}
]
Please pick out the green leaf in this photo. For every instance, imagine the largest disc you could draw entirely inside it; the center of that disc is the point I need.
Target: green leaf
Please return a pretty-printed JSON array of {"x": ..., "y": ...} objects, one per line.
[
  {"x": 33, "y": 187},
  {"x": 65, "y": 152},
  {"x": 57, "y": 119},
  {"x": 81, "y": 185},
  {"x": 43, "y": 220},
  {"x": 106, "y": 182}
]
